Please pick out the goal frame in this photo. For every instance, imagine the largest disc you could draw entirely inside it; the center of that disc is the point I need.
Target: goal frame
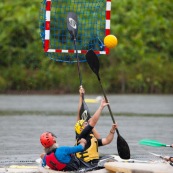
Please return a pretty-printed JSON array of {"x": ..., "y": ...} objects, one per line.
[{"x": 47, "y": 31}]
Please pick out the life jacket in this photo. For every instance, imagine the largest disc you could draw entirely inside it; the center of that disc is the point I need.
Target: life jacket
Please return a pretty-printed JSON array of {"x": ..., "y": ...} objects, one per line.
[
  {"x": 53, "y": 162},
  {"x": 91, "y": 153}
]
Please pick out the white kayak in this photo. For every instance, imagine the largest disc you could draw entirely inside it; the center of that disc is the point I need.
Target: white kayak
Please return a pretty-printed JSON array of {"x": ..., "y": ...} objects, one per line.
[
  {"x": 19, "y": 169},
  {"x": 138, "y": 166},
  {"x": 112, "y": 164},
  {"x": 38, "y": 169},
  {"x": 124, "y": 167}
]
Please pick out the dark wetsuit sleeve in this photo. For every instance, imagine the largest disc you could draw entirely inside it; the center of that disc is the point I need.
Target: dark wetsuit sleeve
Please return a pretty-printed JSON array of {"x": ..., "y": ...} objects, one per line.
[
  {"x": 86, "y": 131},
  {"x": 99, "y": 142}
]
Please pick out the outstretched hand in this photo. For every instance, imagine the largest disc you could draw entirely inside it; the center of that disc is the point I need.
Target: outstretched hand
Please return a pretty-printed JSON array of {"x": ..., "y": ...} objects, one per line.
[
  {"x": 82, "y": 141},
  {"x": 103, "y": 103},
  {"x": 168, "y": 158},
  {"x": 114, "y": 127}
]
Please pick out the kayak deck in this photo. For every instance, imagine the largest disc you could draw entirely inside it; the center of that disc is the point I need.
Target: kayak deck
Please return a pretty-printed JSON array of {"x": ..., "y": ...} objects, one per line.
[
  {"x": 19, "y": 169},
  {"x": 139, "y": 167}
]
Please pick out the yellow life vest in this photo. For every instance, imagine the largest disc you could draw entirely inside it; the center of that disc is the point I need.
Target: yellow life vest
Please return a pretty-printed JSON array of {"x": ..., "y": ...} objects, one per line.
[{"x": 91, "y": 153}]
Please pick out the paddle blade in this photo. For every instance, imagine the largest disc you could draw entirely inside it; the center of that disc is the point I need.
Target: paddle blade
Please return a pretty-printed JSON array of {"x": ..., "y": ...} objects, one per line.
[
  {"x": 123, "y": 148},
  {"x": 72, "y": 24},
  {"x": 152, "y": 143},
  {"x": 93, "y": 61},
  {"x": 84, "y": 112}
]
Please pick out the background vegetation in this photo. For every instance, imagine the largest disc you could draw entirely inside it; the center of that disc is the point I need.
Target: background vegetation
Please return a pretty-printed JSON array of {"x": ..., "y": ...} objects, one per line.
[{"x": 141, "y": 63}]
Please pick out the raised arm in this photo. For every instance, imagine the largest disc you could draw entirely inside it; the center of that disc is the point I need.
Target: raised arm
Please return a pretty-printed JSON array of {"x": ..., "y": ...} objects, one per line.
[
  {"x": 96, "y": 134},
  {"x": 81, "y": 92},
  {"x": 93, "y": 120}
]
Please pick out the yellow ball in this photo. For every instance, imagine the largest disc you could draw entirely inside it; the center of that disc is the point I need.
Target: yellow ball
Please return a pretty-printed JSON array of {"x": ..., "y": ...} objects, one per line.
[{"x": 110, "y": 41}]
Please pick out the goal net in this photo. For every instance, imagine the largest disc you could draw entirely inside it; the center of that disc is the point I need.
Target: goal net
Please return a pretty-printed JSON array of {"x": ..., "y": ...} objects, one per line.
[{"x": 93, "y": 26}]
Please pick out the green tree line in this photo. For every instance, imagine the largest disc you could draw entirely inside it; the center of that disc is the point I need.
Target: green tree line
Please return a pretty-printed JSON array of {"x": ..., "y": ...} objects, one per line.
[{"x": 142, "y": 62}]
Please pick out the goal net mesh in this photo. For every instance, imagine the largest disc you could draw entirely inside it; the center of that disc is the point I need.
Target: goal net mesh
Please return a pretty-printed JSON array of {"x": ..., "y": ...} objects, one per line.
[{"x": 93, "y": 26}]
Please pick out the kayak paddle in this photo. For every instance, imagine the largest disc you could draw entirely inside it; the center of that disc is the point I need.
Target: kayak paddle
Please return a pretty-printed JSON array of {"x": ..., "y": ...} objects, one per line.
[
  {"x": 122, "y": 146},
  {"x": 153, "y": 143},
  {"x": 72, "y": 25}
]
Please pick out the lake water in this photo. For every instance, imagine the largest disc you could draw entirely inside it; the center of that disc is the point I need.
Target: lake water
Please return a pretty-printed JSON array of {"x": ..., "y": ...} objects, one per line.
[{"x": 24, "y": 117}]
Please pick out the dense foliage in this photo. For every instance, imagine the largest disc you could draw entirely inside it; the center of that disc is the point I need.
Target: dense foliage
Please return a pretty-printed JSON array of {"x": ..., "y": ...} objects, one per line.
[{"x": 142, "y": 62}]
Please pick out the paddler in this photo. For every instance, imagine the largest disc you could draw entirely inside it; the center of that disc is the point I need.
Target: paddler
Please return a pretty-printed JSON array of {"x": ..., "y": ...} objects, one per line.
[
  {"x": 84, "y": 129},
  {"x": 62, "y": 158}
]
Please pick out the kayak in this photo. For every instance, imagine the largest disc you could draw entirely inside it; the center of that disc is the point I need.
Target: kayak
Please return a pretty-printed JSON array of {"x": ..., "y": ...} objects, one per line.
[
  {"x": 150, "y": 167},
  {"x": 19, "y": 169},
  {"x": 139, "y": 167},
  {"x": 112, "y": 163},
  {"x": 47, "y": 170},
  {"x": 38, "y": 169}
]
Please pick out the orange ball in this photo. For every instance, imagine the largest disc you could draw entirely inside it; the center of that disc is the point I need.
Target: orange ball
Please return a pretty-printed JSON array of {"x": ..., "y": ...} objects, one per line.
[{"x": 110, "y": 41}]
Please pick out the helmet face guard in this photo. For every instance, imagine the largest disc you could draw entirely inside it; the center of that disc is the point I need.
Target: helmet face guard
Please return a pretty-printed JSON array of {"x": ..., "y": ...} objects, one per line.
[
  {"x": 79, "y": 126},
  {"x": 47, "y": 139}
]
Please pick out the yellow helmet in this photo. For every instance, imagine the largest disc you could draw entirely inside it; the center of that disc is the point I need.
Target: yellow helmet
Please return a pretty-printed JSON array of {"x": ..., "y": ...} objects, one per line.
[{"x": 78, "y": 126}]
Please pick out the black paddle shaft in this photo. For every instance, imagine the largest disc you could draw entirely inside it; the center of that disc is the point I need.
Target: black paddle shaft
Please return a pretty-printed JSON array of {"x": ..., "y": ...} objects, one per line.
[
  {"x": 109, "y": 108},
  {"x": 78, "y": 65},
  {"x": 72, "y": 25}
]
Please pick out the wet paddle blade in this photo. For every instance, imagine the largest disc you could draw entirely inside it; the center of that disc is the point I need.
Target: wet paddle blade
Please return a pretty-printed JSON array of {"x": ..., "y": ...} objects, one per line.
[
  {"x": 93, "y": 61},
  {"x": 123, "y": 148},
  {"x": 72, "y": 24}
]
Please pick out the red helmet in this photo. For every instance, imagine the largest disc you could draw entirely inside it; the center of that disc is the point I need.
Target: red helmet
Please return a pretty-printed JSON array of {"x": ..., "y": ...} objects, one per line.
[{"x": 47, "y": 139}]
